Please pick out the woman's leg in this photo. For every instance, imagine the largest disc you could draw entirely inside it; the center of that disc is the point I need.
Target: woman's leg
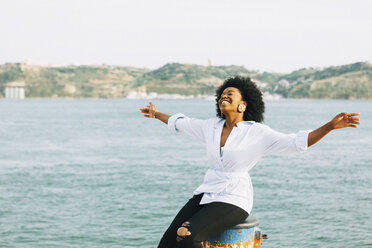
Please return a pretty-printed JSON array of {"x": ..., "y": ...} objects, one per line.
[
  {"x": 169, "y": 239},
  {"x": 209, "y": 221}
]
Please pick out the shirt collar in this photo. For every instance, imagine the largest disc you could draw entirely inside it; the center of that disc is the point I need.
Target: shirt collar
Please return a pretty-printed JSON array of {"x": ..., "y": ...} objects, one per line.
[
  {"x": 221, "y": 121},
  {"x": 244, "y": 123}
]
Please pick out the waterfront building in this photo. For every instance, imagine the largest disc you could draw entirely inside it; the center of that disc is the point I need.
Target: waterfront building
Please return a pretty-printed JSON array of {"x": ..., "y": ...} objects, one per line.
[
  {"x": 210, "y": 62},
  {"x": 15, "y": 90}
]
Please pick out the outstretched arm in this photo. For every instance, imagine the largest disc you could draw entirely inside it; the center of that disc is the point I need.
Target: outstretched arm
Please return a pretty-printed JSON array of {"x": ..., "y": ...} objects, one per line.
[
  {"x": 340, "y": 121},
  {"x": 179, "y": 122},
  {"x": 151, "y": 112}
]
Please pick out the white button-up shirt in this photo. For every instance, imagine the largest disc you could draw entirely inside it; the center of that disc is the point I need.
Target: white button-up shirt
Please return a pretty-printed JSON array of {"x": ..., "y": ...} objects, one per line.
[{"x": 227, "y": 179}]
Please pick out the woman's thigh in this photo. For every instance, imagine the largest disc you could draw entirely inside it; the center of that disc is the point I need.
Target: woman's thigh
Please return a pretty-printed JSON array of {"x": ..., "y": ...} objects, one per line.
[
  {"x": 169, "y": 239},
  {"x": 211, "y": 220}
]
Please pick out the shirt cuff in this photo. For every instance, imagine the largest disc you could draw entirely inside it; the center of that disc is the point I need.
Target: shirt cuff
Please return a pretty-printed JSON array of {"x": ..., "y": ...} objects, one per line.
[
  {"x": 172, "y": 122},
  {"x": 301, "y": 140}
]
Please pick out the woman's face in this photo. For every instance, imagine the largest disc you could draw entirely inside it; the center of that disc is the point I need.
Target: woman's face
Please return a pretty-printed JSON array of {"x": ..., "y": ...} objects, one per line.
[{"x": 230, "y": 100}]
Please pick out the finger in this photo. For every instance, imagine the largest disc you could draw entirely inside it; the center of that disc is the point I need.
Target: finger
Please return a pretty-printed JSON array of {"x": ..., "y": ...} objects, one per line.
[
  {"x": 352, "y": 123},
  {"x": 353, "y": 126},
  {"x": 353, "y": 114},
  {"x": 146, "y": 115}
]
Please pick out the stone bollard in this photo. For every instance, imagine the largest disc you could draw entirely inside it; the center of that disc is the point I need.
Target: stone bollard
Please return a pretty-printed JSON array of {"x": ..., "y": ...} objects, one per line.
[{"x": 244, "y": 235}]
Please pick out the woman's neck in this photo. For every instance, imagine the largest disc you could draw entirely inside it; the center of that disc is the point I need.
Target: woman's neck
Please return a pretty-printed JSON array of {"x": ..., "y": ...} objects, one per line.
[{"x": 230, "y": 121}]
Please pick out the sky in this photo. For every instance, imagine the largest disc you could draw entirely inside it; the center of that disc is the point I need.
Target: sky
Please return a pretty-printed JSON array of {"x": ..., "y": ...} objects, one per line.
[{"x": 265, "y": 35}]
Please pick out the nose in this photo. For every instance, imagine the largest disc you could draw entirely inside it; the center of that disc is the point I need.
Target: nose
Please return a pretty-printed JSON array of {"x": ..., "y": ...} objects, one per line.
[{"x": 223, "y": 98}]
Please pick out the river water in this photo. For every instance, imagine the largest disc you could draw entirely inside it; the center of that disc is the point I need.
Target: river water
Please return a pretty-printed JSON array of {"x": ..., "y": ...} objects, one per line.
[{"x": 96, "y": 173}]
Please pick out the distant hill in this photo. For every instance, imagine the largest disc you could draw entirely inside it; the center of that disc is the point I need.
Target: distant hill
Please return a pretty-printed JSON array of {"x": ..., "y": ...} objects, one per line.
[
  {"x": 352, "y": 81},
  {"x": 187, "y": 79},
  {"x": 70, "y": 81}
]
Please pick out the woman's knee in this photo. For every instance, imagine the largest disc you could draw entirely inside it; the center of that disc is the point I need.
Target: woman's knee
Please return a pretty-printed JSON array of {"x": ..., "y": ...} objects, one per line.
[
  {"x": 185, "y": 236},
  {"x": 183, "y": 231}
]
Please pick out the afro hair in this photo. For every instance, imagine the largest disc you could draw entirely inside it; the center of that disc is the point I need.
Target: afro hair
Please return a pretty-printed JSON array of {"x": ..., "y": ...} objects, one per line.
[{"x": 251, "y": 94}]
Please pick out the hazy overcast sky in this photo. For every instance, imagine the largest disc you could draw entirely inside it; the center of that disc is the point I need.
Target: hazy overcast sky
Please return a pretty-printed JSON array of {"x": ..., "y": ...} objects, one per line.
[{"x": 270, "y": 35}]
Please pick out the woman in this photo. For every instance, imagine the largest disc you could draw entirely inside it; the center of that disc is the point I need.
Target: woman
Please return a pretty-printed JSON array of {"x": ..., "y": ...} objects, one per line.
[{"x": 235, "y": 141}]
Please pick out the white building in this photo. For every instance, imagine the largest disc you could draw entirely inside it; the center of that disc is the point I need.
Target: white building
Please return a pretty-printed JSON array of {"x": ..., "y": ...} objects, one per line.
[
  {"x": 210, "y": 62},
  {"x": 15, "y": 90}
]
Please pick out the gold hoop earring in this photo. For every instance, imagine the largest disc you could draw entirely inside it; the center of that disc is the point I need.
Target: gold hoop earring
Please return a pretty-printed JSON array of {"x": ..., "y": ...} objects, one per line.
[{"x": 241, "y": 108}]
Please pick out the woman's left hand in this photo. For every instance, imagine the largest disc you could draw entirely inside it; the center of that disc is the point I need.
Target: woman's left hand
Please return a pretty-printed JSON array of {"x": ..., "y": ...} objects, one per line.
[{"x": 345, "y": 120}]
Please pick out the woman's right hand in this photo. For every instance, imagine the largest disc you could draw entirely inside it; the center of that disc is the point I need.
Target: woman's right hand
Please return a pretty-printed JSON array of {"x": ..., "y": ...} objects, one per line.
[{"x": 149, "y": 111}]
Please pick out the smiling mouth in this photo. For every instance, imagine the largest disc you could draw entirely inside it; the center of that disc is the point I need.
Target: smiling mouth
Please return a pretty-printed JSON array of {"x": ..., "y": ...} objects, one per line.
[{"x": 224, "y": 101}]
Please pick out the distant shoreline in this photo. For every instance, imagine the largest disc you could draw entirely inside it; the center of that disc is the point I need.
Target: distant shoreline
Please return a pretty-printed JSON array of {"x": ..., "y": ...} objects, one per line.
[{"x": 181, "y": 81}]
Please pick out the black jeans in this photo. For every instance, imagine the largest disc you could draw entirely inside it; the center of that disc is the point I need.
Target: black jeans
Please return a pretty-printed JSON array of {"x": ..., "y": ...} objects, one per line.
[{"x": 205, "y": 221}]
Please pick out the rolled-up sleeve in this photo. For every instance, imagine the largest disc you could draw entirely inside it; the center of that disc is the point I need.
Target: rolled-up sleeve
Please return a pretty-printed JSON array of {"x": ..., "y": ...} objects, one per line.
[
  {"x": 180, "y": 123},
  {"x": 277, "y": 143}
]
